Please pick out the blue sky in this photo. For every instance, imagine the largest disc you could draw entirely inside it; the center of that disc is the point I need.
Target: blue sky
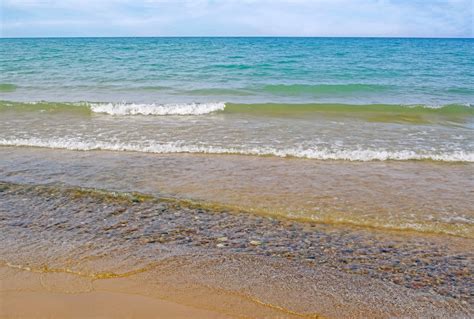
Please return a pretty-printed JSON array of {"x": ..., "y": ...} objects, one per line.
[{"x": 418, "y": 18}]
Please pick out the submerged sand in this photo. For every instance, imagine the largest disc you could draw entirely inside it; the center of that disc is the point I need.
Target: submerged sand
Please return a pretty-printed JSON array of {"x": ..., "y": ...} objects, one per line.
[{"x": 421, "y": 196}]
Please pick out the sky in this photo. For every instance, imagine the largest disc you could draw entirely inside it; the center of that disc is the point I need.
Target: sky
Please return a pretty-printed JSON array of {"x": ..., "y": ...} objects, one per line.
[{"x": 389, "y": 18}]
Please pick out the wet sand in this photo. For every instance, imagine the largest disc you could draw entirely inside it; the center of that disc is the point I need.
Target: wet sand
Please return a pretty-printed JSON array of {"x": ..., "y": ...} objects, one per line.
[
  {"x": 227, "y": 262},
  {"x": 96, "y": 304}
]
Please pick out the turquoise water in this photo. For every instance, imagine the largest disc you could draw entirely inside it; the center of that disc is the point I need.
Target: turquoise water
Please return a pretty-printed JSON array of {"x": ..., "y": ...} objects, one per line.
[
  {"x": 322, "y": 98},
  {"x": 293, "y": 70}
]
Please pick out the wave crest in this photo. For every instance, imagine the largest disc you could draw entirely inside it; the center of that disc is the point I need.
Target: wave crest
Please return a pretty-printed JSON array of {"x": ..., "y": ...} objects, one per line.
[
  {"x": 156, "y": 109},
  {"x": 362, "y": 155}
]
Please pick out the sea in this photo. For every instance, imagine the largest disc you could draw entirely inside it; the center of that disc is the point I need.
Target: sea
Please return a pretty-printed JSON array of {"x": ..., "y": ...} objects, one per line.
[{"x": 371, "y": 132}]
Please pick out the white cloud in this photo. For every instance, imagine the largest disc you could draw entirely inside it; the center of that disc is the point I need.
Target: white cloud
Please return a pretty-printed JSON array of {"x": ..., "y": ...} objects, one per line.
[{"x": 238, "y": 17}]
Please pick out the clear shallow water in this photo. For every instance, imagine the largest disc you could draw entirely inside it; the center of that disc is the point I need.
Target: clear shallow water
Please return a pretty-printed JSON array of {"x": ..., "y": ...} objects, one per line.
[{"x": 426, "y": 197}]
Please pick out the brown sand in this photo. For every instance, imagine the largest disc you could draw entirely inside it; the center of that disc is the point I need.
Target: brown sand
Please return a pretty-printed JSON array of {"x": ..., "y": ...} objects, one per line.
[
  {"x": 94, "y": 305},
  {"x": 24, "y": 298}
]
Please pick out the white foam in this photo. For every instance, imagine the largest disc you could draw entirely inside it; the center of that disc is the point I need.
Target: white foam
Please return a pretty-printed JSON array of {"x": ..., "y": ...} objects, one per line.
[
  {"x": 363, "y": 155},
  {"x": 156, "y": 109}
]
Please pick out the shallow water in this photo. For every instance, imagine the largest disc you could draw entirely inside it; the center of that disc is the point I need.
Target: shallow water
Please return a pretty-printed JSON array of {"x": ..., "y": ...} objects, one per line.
[
  {"x": 420, "y": 196},
  {"x": 356, "y": 133}
]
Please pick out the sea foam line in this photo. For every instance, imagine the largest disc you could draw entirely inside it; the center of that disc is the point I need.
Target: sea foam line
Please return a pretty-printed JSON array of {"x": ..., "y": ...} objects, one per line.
[
  {"x": 362, "y": 155},
  {"x": 156, "y": 109}
]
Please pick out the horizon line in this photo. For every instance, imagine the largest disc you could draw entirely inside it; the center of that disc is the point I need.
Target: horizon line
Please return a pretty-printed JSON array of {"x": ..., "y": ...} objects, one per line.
[{"x": 236, "y": 36}]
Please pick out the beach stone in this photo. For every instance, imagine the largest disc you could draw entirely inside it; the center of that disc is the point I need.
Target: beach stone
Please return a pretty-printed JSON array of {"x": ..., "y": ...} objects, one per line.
[{"x": 255, "y": 242}]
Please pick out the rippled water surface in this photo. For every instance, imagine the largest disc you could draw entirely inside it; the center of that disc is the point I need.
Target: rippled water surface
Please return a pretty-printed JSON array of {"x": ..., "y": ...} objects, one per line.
[
  {"x": 321, "y": 98},
  {"x": 343, "y": 70}
]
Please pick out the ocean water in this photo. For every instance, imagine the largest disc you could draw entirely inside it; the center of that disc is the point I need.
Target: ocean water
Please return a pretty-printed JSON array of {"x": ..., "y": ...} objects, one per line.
[
  {"x": 374, "y": 117},
  {"x": 432, "y": 72},
  {"x": 323, "y": 98}
]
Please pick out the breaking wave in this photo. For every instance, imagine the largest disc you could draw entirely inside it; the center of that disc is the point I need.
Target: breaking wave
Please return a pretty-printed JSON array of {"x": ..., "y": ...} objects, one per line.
[
  {"x": 363, "y": 155},
  {"x": 156, "y": 109}
]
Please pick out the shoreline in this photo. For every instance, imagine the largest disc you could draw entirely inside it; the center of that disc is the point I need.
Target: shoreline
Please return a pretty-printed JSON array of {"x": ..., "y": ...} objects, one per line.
[
  {"x": 285, "y": 264},
  {"x": 365, "y": 195}
]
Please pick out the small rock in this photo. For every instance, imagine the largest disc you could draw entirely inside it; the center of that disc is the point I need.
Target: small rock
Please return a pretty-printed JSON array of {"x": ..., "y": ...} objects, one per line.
[
  {"x": 220, "y": 245},
  {"x": 255, "y": 242},
  {"x": 222, "y": 239}
]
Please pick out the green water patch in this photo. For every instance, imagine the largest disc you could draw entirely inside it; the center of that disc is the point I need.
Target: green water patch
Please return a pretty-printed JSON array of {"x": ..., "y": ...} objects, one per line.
[
  {"x": 461, "y": 90},
  {"x": 44, "y": 106},
  {"x": 452, "y": 114},
  {"x": 455, "y": 113},
  {"x": 219, "y": 92},
  {"x": 152, "y": 88},
  {"x": 7, "y": 87},
  {"x": 321, "y": 89}
]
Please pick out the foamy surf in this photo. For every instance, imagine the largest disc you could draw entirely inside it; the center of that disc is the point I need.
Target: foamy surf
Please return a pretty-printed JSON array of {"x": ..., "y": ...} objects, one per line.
[
  {"x": 156, "y": 109},
  {"x": 361, "y": 155}
]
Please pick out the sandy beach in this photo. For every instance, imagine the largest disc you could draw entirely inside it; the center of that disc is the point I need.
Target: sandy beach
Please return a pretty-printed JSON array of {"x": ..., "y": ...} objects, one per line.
[{"x": 227, "y": 263}]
